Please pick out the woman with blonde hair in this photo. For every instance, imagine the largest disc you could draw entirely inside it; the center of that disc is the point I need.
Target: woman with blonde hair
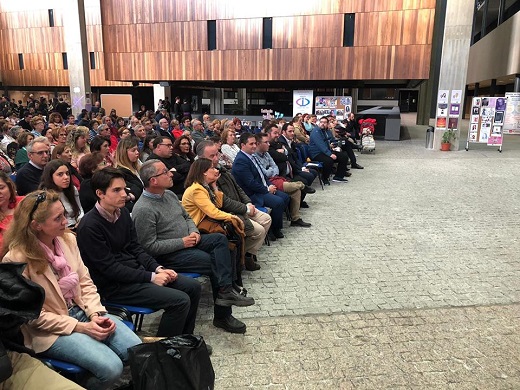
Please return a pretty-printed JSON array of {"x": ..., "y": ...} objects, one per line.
[
  {"x": 127, "y": 161},
  {"x": 55, "y": 120},
  {"x": 73, "y": 325},
  {"x": 229, "y": 146},
  {"x": 77, "y": 140}
]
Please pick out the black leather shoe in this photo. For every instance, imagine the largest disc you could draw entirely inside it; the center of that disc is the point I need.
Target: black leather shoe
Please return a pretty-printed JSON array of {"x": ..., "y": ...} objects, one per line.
[
  {"x": 357, "y": 166},
  {"x": 278, "y": 234},
  {"x": 299, "y": 222},
  {"x": 309, "y": 190},
  {"x": 251, "y": 265},
  {"x": 326, "y": 182},
  {"x": 231, "y": 297},
  {"x": 271, "y": 236},
  {"x": 230, "y": 324},
  {"x": 304, "y": 205},
  {"x": 348, "y": 174}
]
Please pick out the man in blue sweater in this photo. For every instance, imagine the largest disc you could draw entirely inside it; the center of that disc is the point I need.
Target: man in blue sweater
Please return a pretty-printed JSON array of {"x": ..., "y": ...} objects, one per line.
[
  {"x": 122, "y": 271},
  {"x": 166, "y": 231}
]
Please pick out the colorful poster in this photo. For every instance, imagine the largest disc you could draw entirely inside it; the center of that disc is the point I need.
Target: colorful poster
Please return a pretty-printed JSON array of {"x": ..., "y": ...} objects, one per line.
[
  {"x": 474, "y": 118},
  {"x": 302, "y": 101},
  {"x": 454, "y": 109},
  {"x": 443, "y": 96},
  {"x": 456, "y": 96},
  {"x": 340, "y": 107},
  {"x": 442, "y": 110},
  {"x": 512, "y": 113},
  {"x": 453, "y": 123},
  {"x": 495, "y": 140},
  {"x": 441, "y": 123}
]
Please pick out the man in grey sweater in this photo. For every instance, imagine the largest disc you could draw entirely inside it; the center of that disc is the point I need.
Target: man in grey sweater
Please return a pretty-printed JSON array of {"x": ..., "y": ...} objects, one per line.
[{"x": 166, "y": 231}]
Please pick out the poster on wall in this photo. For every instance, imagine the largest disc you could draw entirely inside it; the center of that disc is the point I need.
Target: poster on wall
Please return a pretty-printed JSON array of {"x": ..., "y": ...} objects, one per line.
[
  {"x": 512, "y": 113},
  {"x": 339, "y": 106},
  {"x": 456, "y": 96},
  {"x": 302, "y": 102}
]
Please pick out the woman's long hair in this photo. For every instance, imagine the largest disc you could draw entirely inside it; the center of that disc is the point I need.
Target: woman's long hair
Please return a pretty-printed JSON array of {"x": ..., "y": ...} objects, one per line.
[
  {"x": 122, "y": 159},
  {"x": 196, "y": 173},
  {"x": 47, "y": 183},
  {"x": 177, "y": 148},
  {"x": 72, "y": 138},
  {"x": 12, "y": 189},
  {"x": 21, "y": 236}
]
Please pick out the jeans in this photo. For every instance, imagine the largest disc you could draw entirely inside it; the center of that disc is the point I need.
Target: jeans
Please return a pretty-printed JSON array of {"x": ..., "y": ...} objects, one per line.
[
  {"x": 210, "y": 257},
  {"x": 103, "y": 359}
]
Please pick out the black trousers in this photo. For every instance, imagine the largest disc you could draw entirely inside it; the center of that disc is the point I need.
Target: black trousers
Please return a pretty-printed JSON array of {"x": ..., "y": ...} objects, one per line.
[
  {"x": 179, "y": 299},
  {"x": 210, "y": 257},
  {"x": 328, "y": 162}
]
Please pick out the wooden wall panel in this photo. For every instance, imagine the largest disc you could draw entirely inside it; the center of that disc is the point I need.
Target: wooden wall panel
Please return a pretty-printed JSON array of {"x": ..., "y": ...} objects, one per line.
[
  {"x": 239, "y": 34},
  {"x": 158, "y": 40},
  {"x": 308, "y": 31}
]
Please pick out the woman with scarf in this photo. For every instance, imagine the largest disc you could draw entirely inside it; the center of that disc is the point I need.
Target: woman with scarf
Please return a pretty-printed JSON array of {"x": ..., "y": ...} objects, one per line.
[{"x": 73, "y": 325}]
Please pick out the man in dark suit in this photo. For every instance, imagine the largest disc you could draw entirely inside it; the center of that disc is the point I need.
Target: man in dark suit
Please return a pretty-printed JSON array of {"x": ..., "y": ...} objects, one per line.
[{"x": 251, "y": 179}]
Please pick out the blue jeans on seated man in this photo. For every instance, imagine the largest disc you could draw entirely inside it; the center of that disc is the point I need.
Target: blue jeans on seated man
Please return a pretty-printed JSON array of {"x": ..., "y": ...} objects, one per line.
[
  {"x": 103, "y": 359},
  {"x": 210, "y": 257},
  {"x": 278, "y": 202}
]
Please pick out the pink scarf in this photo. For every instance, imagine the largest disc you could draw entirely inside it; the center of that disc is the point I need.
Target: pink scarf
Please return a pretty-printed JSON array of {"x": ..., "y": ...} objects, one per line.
[{"x": 67, "y": 279}]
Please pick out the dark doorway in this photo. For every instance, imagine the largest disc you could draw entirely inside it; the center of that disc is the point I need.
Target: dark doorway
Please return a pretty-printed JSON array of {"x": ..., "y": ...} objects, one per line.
[{"x": 408, "y": 100}]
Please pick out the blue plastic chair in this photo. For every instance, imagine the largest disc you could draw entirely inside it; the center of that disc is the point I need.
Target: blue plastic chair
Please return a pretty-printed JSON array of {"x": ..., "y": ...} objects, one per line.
[
  {"x": 139, "y": 313},
  {"x": 193, "y": 275}
]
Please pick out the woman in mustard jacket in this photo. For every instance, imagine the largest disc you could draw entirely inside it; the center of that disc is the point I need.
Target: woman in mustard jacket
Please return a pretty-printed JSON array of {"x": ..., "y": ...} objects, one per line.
[{"x": 73, "y": 325}]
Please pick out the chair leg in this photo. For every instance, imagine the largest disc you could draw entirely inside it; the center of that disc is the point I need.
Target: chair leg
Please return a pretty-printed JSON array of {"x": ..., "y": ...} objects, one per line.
[
  {"x": 321, "y": 181},
  {"x": 139, "y": 321}
]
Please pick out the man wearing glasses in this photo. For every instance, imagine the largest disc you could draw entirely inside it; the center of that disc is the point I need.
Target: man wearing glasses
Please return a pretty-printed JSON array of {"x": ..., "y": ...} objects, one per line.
[{"x": 29, "y": 176}]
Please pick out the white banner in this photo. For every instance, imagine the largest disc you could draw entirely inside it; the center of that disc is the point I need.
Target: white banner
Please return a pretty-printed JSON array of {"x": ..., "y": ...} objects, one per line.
[
  {"x": 302, "y": 102},
  {"x": 512, "y": 117}
]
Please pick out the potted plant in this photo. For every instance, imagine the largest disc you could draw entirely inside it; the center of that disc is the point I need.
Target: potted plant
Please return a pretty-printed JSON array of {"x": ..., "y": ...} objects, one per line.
[{"x": 446, "y": 140}]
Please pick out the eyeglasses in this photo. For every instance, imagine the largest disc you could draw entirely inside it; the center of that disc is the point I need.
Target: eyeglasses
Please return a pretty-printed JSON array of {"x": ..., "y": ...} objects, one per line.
[
  {"x": 40, "y": 198},
  {"x": 41, "y": 152},
  {"x": 167, "y": 145},
  {"x": 164, "y": 172}
]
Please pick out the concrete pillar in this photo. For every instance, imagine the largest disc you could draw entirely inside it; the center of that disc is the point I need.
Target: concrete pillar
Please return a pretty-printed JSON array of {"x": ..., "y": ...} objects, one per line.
[
  {"x": 354, "y": 93},
  {"x": 455, "y": 53},
  {"x": 159, "y": 92},
  {"x": 75, "y": 35},
  {"x": 242, "y": 99},
  {"x": 493, "y": 87},
  {"x": 217, "y": 101}
]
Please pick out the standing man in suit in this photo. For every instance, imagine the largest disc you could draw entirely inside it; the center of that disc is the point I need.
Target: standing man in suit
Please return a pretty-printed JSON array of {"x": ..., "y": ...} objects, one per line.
[{"x": 250, "y": 177}]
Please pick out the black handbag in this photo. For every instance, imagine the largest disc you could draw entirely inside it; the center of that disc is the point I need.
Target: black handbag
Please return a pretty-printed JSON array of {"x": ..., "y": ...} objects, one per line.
[{"x": 179, "y": 362}]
